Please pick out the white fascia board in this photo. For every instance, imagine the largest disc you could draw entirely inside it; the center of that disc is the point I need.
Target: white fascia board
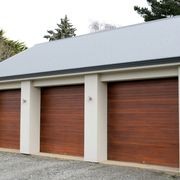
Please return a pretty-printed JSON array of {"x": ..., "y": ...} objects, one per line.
[
  {"x": 70, "y": 76},
  {"x": 140, "y": 74},
  {"x": 10, "y": 85},
  {"x": 59, "y": 81}
]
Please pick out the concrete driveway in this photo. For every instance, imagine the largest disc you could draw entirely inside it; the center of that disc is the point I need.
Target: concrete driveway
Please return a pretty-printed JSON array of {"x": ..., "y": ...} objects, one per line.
[{"x": 21, "y": 167}]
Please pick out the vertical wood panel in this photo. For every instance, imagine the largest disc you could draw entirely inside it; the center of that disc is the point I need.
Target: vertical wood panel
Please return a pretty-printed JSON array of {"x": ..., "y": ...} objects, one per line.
[
  {"x": 143, "y": 121},
  {"x": 10, "y": 119},
  {"x": 62, "y": 120}
]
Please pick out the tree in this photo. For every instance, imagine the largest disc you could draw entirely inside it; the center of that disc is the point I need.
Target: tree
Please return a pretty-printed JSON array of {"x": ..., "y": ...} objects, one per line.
[
  {"x": 96, "y": 26},
  {"x": 159, "y": 9},
  {"x": 65, "y": 29},
  {"x": 9, "y": 47}
]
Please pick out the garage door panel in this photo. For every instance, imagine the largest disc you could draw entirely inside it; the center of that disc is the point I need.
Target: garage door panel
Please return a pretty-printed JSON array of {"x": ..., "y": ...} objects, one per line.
[
  {"x": 62, "y": 120},
  {"x": 135, "y": 140},
  {"x": 143, "y": 121},
  {"x": 66, "y": 148},
  {"x": 72, "y": 136},
  {"x": 66, "y": 142},
  {"x": 143, "y": 107},
  {"x": 9, "y": 143},
  {"x": 10, "y": 119},
  {"x": 145, "y": 152},
  {"x": 143, "y": 131}
]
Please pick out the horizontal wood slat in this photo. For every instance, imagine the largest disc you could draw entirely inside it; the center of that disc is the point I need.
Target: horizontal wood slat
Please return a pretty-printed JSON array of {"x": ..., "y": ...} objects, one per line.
[
  {"x": 143, "y": 121},
  {"x": 10, "y": 119},
  {"x": 62, "y": 120}
]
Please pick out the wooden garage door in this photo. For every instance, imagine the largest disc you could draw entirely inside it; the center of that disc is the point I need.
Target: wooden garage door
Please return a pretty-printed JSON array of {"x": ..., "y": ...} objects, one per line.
[
  {"x": 62, "y": 120},
  {"x": 143, "y": 122},
  {"x": 10, "y": 119}
]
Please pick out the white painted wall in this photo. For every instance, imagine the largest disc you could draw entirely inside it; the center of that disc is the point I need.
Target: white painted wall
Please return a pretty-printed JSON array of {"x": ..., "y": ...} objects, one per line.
[
  {"x": 30, "y": 119},
  {"x": 95, "y": 133}
]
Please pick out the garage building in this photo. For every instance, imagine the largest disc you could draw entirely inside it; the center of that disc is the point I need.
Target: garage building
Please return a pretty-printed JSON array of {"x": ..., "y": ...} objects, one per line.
[{"x": 107, "y": 96}]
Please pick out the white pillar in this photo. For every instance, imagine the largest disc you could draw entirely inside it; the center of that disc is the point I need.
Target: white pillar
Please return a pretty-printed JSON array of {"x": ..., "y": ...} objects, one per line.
[
  {"x": 30, "y": 119},
  {"x": 95, "y": 134}
]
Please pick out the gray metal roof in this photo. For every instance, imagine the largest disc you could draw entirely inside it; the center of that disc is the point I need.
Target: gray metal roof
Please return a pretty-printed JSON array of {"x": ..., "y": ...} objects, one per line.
[{"x": 142, "y": 42}]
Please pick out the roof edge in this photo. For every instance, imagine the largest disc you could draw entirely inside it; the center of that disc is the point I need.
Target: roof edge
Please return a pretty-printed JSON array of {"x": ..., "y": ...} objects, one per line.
[{"x": 95, "y": 68}]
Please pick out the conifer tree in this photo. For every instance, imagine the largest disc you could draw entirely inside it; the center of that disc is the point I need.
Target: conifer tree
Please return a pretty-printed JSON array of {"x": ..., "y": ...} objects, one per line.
[
  {"x": 159, "y": 9},
  {"x": 65, "y": 29},
  {"x": 9, "y": 47}
]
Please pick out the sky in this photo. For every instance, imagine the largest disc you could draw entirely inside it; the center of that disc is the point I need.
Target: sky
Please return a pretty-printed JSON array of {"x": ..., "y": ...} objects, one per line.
[{"x": 29, "y": 20}]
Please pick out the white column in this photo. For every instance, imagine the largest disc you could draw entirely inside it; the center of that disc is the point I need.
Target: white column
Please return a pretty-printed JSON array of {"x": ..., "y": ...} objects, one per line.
[
  {"x": 95, "y": 140},
  {"x": 30, "y": 119},
  {"x": 179, "y": 110}
]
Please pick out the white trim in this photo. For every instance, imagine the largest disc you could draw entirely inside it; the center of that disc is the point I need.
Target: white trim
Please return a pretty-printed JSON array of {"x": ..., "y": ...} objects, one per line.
[
  {"x": 140, "y": 74},
  {"x": 93, "y": 72},
  {"x": 12, "y": 85},
  {"x": 59, "y": 81}
]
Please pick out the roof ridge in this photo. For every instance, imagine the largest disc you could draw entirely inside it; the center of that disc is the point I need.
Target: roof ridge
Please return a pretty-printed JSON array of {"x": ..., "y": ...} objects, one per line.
[{"x": 119, "y": 28}]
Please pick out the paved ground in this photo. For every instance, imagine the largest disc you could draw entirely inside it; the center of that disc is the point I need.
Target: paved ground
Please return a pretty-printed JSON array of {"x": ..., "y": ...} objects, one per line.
[{"x": 21, "y": 167}]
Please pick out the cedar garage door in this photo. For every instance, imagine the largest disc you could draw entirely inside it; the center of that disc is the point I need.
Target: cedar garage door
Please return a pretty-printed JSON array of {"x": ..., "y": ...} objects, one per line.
[
  {"x": 62, "y": 120},
  {"x": 10, "y": 119},
  {"x": 143, "y": 121}
]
